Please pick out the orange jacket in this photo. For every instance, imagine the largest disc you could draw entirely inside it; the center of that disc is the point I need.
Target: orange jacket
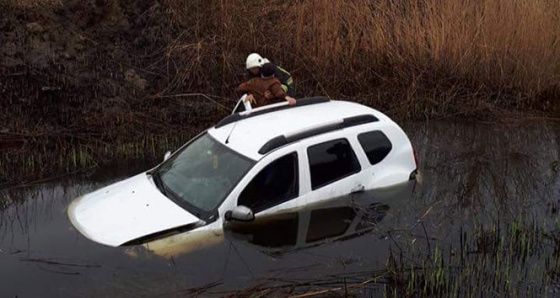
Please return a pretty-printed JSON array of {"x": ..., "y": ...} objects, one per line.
[{"x": 258, "y": 86}]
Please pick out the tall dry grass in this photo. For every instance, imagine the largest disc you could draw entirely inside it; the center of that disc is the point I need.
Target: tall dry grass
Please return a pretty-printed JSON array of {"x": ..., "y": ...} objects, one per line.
[{"x": 432, "y": 56}]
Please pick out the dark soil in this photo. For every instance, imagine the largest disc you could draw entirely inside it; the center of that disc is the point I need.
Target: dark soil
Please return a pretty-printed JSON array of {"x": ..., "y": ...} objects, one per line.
[{"x": 82, "y": 76}]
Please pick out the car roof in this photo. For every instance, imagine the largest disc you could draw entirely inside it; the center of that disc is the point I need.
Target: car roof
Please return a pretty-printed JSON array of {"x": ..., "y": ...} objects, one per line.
[{"x": 248, "y": 132}]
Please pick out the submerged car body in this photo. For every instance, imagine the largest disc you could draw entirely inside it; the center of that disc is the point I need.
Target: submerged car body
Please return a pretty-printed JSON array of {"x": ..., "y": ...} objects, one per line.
[
  {"x": 254, "y": 163},
  {"x": 329, "y": 221}
]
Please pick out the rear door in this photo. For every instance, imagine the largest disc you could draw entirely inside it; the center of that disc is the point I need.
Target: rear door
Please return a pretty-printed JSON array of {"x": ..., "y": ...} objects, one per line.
[
  {"x": 384, "y": 162},
  {"x": 333, "y": 168}
]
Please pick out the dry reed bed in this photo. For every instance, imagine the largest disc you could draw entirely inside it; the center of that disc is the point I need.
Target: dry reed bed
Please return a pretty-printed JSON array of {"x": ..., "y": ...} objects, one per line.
[{"x": 409, "y": 57}]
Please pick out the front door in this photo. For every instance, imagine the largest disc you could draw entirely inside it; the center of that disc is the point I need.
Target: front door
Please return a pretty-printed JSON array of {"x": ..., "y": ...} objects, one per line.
[{"x": 275, "y": 187}]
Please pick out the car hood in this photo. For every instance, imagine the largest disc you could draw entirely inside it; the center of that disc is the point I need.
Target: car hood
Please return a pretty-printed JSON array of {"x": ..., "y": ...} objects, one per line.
[{"x": 126, "y": 211}]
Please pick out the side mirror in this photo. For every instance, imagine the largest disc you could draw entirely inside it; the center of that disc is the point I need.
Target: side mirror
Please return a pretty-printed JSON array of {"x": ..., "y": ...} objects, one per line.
[
  {"x": 166, "y": 156},
  {"x": 240, "y": 213}
]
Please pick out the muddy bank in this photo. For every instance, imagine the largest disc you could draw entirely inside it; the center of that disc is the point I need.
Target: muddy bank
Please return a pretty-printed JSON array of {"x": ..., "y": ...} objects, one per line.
[{"x": 76, "y": 89}]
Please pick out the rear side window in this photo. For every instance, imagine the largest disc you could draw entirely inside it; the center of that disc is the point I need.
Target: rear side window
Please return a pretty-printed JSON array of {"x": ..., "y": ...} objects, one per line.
[
  {"x": 331, "y": 161},
  {"x": 376, "y": 145}
]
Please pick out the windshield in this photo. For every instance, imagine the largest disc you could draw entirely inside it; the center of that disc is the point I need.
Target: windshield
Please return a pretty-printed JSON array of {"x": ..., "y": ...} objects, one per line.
[{"x": 202, "y": 173}]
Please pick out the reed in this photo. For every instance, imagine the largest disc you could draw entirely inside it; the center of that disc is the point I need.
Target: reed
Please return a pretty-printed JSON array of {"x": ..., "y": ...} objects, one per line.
[
  {"x": 513, "y": 259},
  {"x": 414, "y": 57},
  {"x": 42, "y": 162},
  {"x": 502, "y": 258}
]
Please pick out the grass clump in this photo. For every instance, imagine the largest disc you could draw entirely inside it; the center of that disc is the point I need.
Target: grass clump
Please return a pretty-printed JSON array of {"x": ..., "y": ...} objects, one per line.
[{"x": 511, "y": 259}]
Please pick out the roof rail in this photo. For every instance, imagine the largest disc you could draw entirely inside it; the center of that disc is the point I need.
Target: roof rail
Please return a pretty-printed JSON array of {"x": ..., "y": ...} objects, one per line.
[
  {"x": 282, "y": 140},
  {"x": 299, "y": 103}
]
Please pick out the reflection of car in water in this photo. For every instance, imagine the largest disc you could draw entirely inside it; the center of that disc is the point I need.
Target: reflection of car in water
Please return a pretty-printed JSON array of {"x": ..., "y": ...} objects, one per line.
[
  {"x": 253, "y": 164},
  {"x": 309, "y": 226},
  {"x": 333, "y": 220}
]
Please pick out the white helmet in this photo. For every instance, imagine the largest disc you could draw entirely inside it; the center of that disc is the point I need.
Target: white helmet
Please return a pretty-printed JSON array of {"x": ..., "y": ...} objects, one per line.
[{"x": 254, "y": 60}]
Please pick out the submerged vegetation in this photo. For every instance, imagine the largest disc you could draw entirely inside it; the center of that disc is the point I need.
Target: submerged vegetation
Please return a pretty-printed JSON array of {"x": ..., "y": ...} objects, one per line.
[
  {"x": 85, "y": 82},
  {"x": 517, "y": 259}
]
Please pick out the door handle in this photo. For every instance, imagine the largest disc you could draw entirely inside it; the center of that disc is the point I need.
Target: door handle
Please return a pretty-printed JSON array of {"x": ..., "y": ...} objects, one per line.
[{"x": 358, "y": 188}]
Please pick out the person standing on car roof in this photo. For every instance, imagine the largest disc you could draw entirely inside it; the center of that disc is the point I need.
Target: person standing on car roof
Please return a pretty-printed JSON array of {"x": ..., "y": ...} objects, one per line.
[
  {"x": 265, "y": 89},
  {"x": 254, "y": 63}
]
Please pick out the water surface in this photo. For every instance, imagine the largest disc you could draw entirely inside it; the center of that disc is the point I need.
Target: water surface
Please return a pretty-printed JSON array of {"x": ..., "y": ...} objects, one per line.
[{"x": 482, "y": 183}]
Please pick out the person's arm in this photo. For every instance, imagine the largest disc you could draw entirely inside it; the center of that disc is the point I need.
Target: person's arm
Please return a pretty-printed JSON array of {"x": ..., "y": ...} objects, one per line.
[
  {"x": 286, "y": 80},
  {"x": 242, "y": 88},
  {"x": 247, "y": 87},
  {"x": 278, "y": 92},
  {"x": 291, "y": 90}
]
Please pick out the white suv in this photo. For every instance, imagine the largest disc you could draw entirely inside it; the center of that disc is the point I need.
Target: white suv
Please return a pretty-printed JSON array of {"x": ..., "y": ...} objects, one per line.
[{"x": 267, "y": 160}]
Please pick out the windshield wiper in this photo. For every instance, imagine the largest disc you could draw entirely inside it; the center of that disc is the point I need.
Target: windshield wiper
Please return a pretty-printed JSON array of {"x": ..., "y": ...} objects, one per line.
[{"x": 159, "y": 183}]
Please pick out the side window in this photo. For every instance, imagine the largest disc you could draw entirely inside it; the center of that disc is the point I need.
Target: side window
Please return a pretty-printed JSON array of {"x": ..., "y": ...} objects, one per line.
[
  {"x": 376, "y": 145},
  {"x": 276, "y": 183},
  {"x": 331, "y": 161}
]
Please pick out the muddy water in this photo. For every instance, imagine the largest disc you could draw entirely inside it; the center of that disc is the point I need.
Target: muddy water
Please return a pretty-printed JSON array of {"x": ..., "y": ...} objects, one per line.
[{"x": 478, "y": 181}]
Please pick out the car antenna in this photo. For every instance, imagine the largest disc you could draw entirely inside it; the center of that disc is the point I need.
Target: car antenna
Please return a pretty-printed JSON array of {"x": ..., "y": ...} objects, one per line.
[{"x": 229, "y": 135}]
